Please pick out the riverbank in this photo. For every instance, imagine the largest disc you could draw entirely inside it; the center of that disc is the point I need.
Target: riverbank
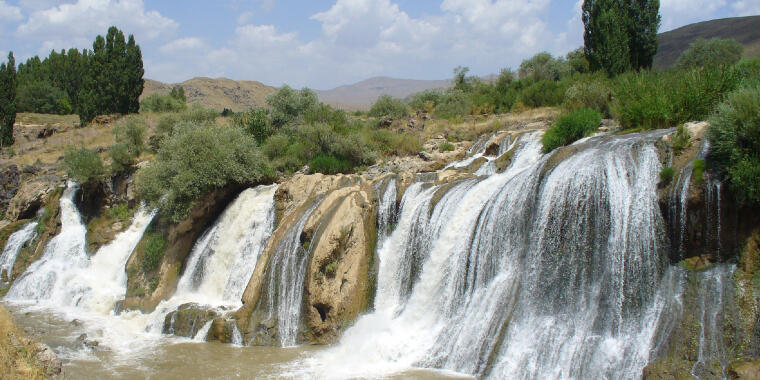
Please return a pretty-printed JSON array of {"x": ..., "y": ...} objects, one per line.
[{"x": 21, "y": 357}]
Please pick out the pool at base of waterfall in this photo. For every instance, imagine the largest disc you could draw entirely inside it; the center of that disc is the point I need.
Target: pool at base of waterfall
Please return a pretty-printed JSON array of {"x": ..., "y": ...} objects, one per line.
[{"x": 171, "y": 357}]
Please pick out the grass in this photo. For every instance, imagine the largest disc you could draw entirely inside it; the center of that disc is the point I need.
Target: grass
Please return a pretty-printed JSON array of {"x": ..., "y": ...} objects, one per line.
[
  {"x": 666, "y": 175},
  {"x": 446, "y": 147},
  {"x": 16, "y": 363},
  {"x": 570, "y": 128},
  {"x": 155, "y": 245}
]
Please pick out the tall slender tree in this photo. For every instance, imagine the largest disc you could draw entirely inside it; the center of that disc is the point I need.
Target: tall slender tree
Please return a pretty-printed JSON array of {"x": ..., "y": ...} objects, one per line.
[
  {"x": 8, "y": 86},
  {"x": 620, "y": 35},
  {"x": 135, "y": 72}
]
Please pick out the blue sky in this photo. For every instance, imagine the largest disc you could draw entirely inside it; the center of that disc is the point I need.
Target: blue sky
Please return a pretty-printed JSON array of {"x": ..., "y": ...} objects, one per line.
[{"x": 322, "y": 44}]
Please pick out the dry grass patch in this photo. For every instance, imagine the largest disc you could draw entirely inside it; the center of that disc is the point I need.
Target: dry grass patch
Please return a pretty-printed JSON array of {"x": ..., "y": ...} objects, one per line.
[{"x": 16, "y": 352}]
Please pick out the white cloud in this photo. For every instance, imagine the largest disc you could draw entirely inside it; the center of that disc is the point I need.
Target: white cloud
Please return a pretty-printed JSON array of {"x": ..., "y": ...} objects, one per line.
[
  {"x": 78, "y": 23},
  {"x": 9, "y": 14},
  {"x": 747, "y": 7},
  {"x": 183, "y": 45},
  {"x": 244, "y": 17}
]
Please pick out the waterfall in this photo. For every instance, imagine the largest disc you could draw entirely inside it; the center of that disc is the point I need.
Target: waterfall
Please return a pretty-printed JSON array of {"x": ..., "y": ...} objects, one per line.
[
  {"x": 538, "y": 272},
  {"x": 386, "y": 211},
  {"x": 64, "y": 254},
  {"x": 13, "y": 246},
  {"x": 715, "y": 285},
  {"x": 223, "y": 259},
  {"x": 284, "y": 282}
]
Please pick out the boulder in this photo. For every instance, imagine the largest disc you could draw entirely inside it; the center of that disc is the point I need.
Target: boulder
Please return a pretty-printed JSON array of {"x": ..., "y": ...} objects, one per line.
[
  {"x": 187, "y": 320},
  {"x": 30, "y": 197},
  {"x": 51, "y": 364}
]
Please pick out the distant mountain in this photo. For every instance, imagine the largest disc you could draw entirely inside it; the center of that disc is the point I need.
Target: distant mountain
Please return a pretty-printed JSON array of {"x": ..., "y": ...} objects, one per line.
[
  {"x": 217, "y": 93},
  {"x": 745, "y": 30},
  {"x": 362, "y": 94}
]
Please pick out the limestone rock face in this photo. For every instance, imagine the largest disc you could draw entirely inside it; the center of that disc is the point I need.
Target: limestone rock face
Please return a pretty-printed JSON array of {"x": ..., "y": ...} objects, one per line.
[
  {"x": 30, "y": 197},
  {"x": 49, "y": 361},
  {"x": 9, "y": 180},
  {"x": 342, "y": 232},
  {"x": 338, "y": 281}
]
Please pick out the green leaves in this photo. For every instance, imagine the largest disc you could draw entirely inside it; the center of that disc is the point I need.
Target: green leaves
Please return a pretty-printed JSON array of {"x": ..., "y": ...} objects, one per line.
[{"x": 7, "y": 100}]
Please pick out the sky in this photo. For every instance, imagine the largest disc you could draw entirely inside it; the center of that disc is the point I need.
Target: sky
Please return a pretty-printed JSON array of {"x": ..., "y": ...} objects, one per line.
[{"x": 322, "y": 44}]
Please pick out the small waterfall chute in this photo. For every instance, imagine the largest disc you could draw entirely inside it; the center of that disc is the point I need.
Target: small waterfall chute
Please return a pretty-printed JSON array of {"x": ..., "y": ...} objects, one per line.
[{"x": 16, "y": 241}]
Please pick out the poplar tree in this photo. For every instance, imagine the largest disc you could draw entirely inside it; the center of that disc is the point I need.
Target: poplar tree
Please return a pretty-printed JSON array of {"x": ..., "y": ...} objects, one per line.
[
  {"x": 620, "y": 35},
  {"x": 7, "y": 100}
]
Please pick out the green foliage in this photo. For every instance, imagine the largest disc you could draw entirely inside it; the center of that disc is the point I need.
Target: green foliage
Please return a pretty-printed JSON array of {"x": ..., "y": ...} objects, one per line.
[
  {"x": 178, "y": 92},
  {"x": 325, "y": 114},
  {"x": 446, "y": 147},
  {"x": 589, "y": 92},
  {"x": 391, "y": 143},
  {"x": 288, "y": 104},
  {"x": 461, "y": 81},
  {"x": 8, "y": 84},
  {"x": 42, "y": 97},
  {"x": 680, "y": 140},
  {"x": 577, "y": 61},
  {"x": 544, "y": 67},
  {"x": 698, "y": 173},
  {"x": 425, "y": 100},
  {"x": 199, "y": 114},
  {"x": 543, "y": 94},
  {"x": 329, "y": 164},
  {"x": 162, "y": 103},
  {"x": 571, "y": 127},
  {"x": 195, "y": 159},
  {"x": 710, "y": 53},
  {"x": 83, "y": 165},
  {"x": 130, "y": 142},
  {"x": 620, "y": 35},
  {"x": 386, "y": 106},
  {"x": 735, "y": 136},
  {"x": 454, "y": 103},
  {"x": 658, "y": 100},
  {"x": 666, "y": 175},
  {"x": 153, "y": 251},
  {"x": 256, "y": 122}
]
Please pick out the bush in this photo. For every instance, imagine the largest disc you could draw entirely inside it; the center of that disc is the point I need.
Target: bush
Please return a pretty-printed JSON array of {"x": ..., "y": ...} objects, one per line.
[
  {"x": 680, "y": 140},
  {"x": 196, "y": 159},
  {"x": 390, "y": 143},
  {"x": 130, "y": 142},
  {"x": 543, "y": 93},
  {"x": 426, "y": 100},
  {"x": 155, "y": 245},
  {"x": 570, "y": 128},
  {"x": 329, "y": 164},
  {"x": 544, "y": 67},
  {"x": 162, "y": 103},
  {"x": 666, "y": 175},
  {"x": 42, "y": 97},
  {"x": 387, "y": 106},
  {"x": 734, "y": 131},
  {"x": 83, "y": 165},
  {"x": 199, "y": 114},
  {"x": 288, "y": 104},
  {"x": 446, "y": 147},
  {"x": 325, "y": 114},
  {"x": 641, "y": 100},
  {"x": 453, "y": 104},
  {"x": 710, "y": 53},
  {"x": 591, "y": 93},
  {"x": 256, "y": 122},
  {"x": 698, "y": 171}
]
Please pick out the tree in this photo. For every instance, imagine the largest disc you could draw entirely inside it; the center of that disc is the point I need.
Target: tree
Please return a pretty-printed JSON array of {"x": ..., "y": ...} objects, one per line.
[
  {"x": 712, "y": 52},
  {"x": 543, "y": 66},
  {"x": 178, "y": 92},
  {"x": 461, "y": 81},
  {"x": 577, "y": 61},
  {"x": 288, "y": 104},
  {"x": 7, "y": 100},
  {"x": 620, "y": 35}
]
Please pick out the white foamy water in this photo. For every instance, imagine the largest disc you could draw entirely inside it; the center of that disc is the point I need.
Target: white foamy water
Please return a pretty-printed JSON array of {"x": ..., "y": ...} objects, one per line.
[{"x": 13, "y": 246}]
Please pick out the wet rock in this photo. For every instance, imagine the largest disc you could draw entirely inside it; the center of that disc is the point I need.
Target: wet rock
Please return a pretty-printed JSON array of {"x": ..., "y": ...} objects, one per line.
[
  {"x": 84, "y": 342},
  {"x": 187, "y": 320},
  {"x": 492, "y": 149},
  {"x": 426, "y": 156},
  {"x": 49, "y": 361},
  {"x": 76, "y": 322}
]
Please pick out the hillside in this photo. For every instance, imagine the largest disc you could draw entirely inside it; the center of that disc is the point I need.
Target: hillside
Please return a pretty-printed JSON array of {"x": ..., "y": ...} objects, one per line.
[
  {"x": 363, "y": 94},
  {"x": 745, "y": 30},
  {"x": 216, "y": 93}
]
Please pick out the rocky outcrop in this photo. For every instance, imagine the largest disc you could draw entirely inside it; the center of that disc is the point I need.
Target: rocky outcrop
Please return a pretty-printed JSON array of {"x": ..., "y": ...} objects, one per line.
[
  {"x": 30, "y": 197},
  {"x": 188, "y": 319},
  {"x": 341, "y": 230},
  {"x": 9, "y": 182},
  {"x": 146, "y": 289}
]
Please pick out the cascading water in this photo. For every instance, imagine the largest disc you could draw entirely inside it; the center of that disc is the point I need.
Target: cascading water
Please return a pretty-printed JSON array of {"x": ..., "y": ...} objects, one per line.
[
  {"x": 714, "y": 290},
  {"x": 538, "y": 272},
  {"x": 13, "y": 246},
  {"x": 282, "y": 298},
  {"x": 387, "y": 210}
]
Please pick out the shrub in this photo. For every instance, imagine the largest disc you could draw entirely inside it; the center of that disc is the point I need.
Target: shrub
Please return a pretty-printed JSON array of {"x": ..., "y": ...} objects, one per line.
[
  {"x": 162, "y": 103},
  {"x": 446, "y": 147},
  {"x": 391, "y": 143},
  {"x": 196, "y": 159},
  {"x": 710, "y": 53},
  {"x": 256, "y": 122},
  {"x": 591, "y": 93},
  {"x": 641, "y": 101},
  {"x": 543, "y": 93},
  {"x": 325, "y": 114},
  {"x": 544, "y": 67},
  {"x": 42, "y": 97},
  {"x": 288, "y": 104},
  {"x": 130, "y": 142},
  {"x": 155, "y": 245},
  {"x": 329, "y": 164},
  {"x": 387, "y": 106},
  {"x": 734, "y": 131},
  {"x": 425, "y": 100},
  {"x": 571, "y": 127},
  {"x": 199, "y": 114},
  {"x": 83, "y": 165},
  {"x": 698, "y": 171},
  {"x": 453, "y": 104},
  {"x": 748, "y": 72},
  {"x": 680, "y": 140},
  {"x": 666, "y": 175}
]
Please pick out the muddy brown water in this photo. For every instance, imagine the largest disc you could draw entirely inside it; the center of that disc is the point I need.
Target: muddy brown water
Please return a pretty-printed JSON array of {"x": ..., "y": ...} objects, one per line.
[{"x": 170, "y": 358}]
